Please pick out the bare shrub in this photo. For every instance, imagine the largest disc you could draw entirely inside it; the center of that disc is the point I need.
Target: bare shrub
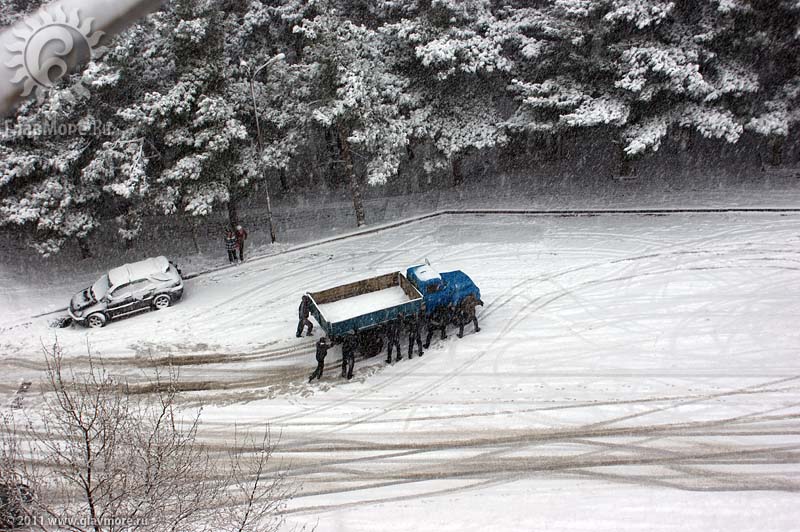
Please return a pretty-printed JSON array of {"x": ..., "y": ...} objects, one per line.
[{"x": 103, "y": 460}]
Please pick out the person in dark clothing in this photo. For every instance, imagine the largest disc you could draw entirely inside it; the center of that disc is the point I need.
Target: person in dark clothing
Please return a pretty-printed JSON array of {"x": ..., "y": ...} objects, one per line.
[
  {"x": 303, "y": 313},
  {"x": 466, "y": 314},
  {"x": 322, "y": 351},
  {"x": 241, "y": 236},
  {"x": 230, "y": 245},
  {"x": 413, "y": 326},
  {"x": 349, "y": 345},
  {"x": 437, "y": 321},
  {"x": 393, "y": 339}
]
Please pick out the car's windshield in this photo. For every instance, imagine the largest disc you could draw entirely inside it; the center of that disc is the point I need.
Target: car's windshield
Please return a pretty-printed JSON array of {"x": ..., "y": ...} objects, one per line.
[{"x": 100, "y": 288}]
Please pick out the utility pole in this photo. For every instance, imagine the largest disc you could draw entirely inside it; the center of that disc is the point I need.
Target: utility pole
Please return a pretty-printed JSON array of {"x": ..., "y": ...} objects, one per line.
[{"x": 272, "y": 61}]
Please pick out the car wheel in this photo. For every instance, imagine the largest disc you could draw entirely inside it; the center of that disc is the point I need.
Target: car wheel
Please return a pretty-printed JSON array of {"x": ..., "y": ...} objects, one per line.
[
  {"x": 161, "y": 302},
  {"x": 95, "y": 321}
]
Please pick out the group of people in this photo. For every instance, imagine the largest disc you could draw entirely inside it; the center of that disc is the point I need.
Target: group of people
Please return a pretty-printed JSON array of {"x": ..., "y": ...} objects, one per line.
[
  {"x": 234, "y": 243},
  {"x": 349, "y": 346},
  {"x": 412, "y": 325}
]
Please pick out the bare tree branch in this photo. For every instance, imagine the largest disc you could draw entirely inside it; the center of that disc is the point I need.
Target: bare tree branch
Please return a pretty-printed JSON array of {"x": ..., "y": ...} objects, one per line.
[{"x": 119, "y": 462}]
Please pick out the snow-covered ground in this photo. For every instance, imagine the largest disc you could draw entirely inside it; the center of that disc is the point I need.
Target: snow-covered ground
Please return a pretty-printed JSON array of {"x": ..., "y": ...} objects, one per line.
[{"x": 632, "y": 373}]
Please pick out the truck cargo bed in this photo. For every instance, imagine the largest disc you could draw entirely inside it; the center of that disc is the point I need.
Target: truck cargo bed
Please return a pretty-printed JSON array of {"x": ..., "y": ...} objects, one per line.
[
  {"x": 364, "y": 304},
  {"x": 355, "y": 306}
]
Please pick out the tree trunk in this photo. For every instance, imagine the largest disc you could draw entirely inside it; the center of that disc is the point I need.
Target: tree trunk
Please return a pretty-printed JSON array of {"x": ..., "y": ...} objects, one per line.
[
  {"x": 83, "y": 244},
  {"x": 335, "y": 150},
  {"x": 776, "y": 149},
  {"x": 284, "y": 183},
  {"x": 458, "y": 174},
  {"x": 561, "y": 148},
  {"x": 355, "y": 185},
  {"x": 686, "y": 139},
  {"x": 233, "y": 211},
  {"x": 626, "y": 168},
  {"x": 194, "y": 236}
]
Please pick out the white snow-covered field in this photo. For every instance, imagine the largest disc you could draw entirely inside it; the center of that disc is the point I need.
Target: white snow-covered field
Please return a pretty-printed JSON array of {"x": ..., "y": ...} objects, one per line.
[{"x": 632, "y": 373}]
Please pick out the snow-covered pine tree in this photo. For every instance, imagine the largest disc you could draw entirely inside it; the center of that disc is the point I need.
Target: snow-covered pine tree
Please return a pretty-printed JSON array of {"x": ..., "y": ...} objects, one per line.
[
  {"x": 453, "y": 54},
  {"x": 48, "y": 188},
  {"x": 363, "y": 102},
  {"x": 641, "y": 69},
  {"x": 126, "y": 162},
  {"x": 563, "y": 70},
  {"x": 178, "y": 134},
  {"x": 773, "y": 112},
  {"x": 282, "y": 91},
  {"x": 41, "y": 188},
  {"x": 710, "y": 67},
  {"x": 193, "y": 137},
  {"x": 13, "y": 10},
  {"x": 673, "y": 79},
  {"x": 776, "y": 117}
]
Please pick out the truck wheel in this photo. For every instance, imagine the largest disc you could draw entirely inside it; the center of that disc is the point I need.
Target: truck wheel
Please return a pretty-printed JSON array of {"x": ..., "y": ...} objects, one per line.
[
  {"x": 162, "y": 301},
  {"x": 95, "y": 321},
  {"x": 371, "y": 344}
]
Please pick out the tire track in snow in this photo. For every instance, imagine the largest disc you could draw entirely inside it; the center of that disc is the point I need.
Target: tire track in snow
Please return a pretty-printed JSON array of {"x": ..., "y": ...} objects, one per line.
[
  {"x": 557, "y": 295},
  {"x": 516, "y": 318},
  {"x": 517, "y": 467}
]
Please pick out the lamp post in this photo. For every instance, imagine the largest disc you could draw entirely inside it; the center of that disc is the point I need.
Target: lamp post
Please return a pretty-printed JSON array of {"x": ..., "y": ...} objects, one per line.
[{"x": 272, "y": 61}]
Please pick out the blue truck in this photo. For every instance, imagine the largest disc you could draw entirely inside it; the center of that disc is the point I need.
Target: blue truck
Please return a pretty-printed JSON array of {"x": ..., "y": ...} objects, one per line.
[{"x": 366, "y": 306}]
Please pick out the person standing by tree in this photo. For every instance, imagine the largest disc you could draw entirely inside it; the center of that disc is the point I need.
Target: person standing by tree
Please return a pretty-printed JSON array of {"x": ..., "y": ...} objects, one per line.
[
  {"x": 241, "y": 236},
  {"x": 322, "y": 352},
  {"x": 303, "y": 311},
  {"x": 230, "y": 245}
]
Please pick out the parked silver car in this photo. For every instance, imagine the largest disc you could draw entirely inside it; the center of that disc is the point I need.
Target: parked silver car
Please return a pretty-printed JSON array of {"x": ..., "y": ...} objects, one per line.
[{"x": 150, "y": 284}]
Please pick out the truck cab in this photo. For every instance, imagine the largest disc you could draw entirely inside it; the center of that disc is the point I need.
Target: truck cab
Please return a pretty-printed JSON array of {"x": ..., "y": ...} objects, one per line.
[{"x": 441, "y": 289}]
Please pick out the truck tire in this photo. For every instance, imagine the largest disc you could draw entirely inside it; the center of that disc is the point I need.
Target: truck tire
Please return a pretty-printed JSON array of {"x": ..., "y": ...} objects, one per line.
[{"x": 371, "y": 343}]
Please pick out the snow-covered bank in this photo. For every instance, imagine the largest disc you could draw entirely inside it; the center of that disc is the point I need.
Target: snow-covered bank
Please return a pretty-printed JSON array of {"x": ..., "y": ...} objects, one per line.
[{"x": 632, "y": 372}]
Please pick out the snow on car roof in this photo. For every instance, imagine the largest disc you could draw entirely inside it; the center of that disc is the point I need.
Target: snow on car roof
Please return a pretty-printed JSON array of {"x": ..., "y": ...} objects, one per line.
[
  {"x": 427, "y": 273},
  {"x": 137, "y": 270}
]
